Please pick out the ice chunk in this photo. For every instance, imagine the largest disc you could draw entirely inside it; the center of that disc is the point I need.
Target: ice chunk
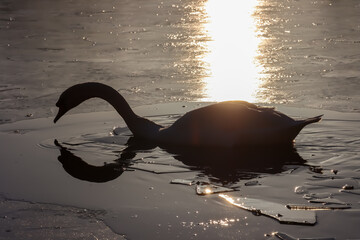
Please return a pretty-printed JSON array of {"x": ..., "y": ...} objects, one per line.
[
  {"x": 120, "y": 130},
  {"x": 300, "y": 190},
  {"x": 204, "y": 188},
  {"x": 348, "y": 187},
  {"x": 275, "y": 210},
  {"x": 252, "y": 183},
  {"x": 310, "y": 196},
  {"x": 183, "y": 181},
  {"x": 285, "y": 236},
  {"x": 328, "y": 201},
  {"x": 353, "y": 191},
  {"x": 316, "y": 169},
  {"x": 316, "y": 207}
]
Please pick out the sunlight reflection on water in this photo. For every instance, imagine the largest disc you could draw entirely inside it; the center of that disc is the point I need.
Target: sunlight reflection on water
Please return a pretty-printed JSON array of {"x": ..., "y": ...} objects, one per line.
[{"x": 231, "y": 57}]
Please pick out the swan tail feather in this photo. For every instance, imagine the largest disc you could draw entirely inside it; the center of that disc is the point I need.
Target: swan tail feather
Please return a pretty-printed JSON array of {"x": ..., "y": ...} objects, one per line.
[
  {"x": 300, "y": 124},
  {"x": 312, "y": 120}
]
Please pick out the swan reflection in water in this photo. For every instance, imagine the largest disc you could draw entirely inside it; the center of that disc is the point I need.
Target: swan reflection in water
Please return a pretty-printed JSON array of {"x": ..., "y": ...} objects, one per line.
[{"x": 224, "y": 166}]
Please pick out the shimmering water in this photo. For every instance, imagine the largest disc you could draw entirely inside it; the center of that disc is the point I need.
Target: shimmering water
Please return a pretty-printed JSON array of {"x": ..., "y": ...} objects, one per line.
[{"x": 303, "y": 53}]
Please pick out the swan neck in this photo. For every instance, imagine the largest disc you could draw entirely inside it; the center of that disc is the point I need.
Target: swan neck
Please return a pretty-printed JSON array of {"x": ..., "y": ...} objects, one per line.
[
  {"x": 118, "y": 102},
  {"x": 139, "y": 126}
]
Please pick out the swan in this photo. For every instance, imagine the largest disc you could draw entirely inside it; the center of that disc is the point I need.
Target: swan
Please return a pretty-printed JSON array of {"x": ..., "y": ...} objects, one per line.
[{"x": 224, "y": 124}]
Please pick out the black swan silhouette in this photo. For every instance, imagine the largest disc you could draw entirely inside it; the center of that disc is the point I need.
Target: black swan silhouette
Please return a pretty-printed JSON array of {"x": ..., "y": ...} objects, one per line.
[{"x": 224, "y": 124}]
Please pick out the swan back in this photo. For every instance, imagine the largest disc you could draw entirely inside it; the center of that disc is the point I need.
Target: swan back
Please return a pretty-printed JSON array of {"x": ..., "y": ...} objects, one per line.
[{"x": 233, "y": 123}]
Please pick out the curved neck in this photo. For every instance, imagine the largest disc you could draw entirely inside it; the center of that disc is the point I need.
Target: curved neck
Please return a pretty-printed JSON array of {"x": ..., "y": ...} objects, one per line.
[
  {"x": 113, "y": 97},
  {"x": 139, "y": 126}
]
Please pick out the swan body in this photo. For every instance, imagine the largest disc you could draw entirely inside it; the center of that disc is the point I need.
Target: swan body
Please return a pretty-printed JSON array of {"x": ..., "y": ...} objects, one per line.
[{"x": 225, "y": 124}]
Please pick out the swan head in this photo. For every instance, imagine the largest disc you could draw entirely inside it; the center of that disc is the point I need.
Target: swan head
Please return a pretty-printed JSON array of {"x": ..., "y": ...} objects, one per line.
[
  {"x": 64, "y": 106},
  {"x": 69, "y": 99}
]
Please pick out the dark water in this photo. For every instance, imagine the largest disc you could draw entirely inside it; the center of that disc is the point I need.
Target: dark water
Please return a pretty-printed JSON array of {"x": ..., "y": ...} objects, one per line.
[{"x": 129, "y": 181}]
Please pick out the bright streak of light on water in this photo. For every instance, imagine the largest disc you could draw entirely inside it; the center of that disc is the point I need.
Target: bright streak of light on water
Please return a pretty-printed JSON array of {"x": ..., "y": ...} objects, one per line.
[{"x": 231, "y": 56}]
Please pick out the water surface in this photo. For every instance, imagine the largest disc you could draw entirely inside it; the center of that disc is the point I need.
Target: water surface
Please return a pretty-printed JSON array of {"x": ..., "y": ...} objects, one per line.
[
  {"x": 288, "y": 52},
  {"x": 301, "y": 56}
]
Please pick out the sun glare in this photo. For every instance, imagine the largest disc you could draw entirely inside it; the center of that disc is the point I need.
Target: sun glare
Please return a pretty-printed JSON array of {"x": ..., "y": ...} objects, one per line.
[{"x": 233, "y": 72}]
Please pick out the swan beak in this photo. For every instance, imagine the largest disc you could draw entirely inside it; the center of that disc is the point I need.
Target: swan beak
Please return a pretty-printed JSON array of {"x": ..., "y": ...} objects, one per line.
[{"x": 59, "y": 115}]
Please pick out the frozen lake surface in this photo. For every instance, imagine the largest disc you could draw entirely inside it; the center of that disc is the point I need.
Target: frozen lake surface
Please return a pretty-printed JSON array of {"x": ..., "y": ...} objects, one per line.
[{"x": 288, "y": 52}]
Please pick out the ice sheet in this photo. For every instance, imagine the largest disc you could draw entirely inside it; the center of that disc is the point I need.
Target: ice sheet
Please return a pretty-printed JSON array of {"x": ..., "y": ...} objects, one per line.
[{"x": 274, "y": 210}]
